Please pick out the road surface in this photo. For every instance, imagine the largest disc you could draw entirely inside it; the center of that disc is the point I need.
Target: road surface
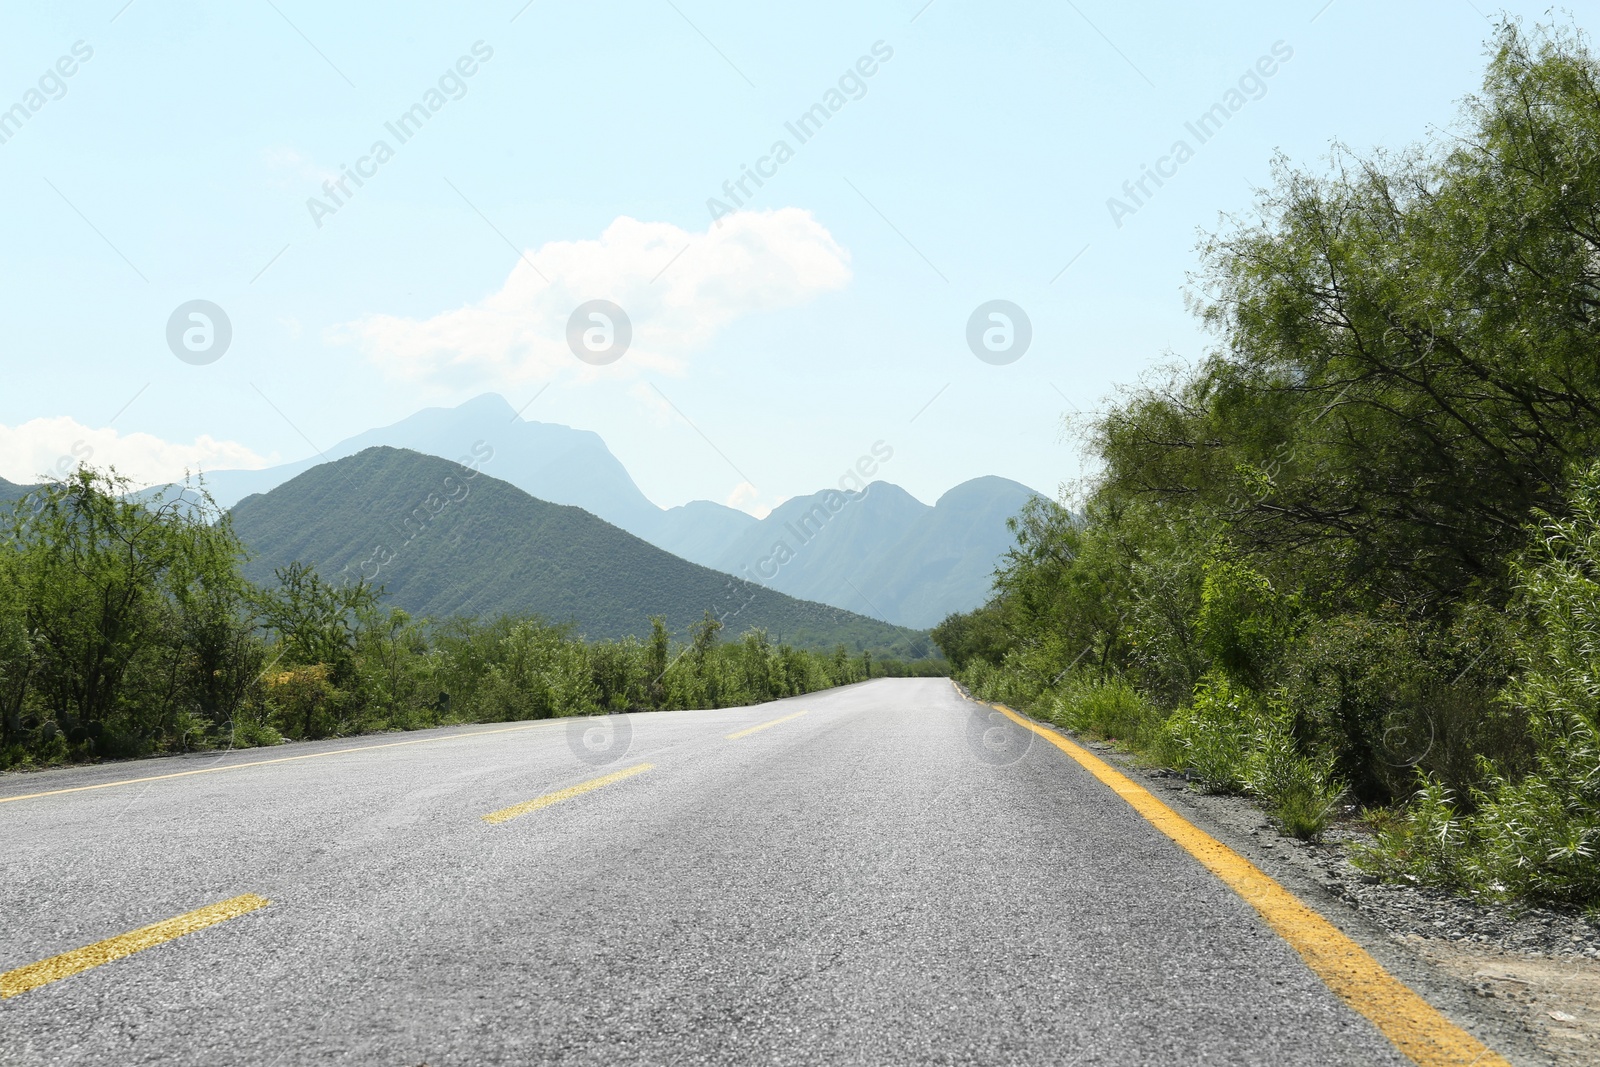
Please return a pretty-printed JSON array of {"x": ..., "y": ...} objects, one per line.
[{"x": 880, "y": 876}]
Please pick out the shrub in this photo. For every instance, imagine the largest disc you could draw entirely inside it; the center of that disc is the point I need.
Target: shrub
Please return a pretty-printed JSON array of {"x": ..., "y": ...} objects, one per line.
[
  {"x": 1109, "y": 708},
  {"x": 1361, "y": 687},
  {"x": 1424, "y": 844},
  {"x": 1238, "y": 741},
  {"x": 569, "y": 681},
  {"x": 972, "y": 637},
  {"x": 1215, "y": 733},
  {"x": 1535, "y": 835},
  {"x": 302, "y": 702},
  {"x": 618, "y": 670},
  {"x": 1244, "y": 624},
  {"x": 1010, "y": 683},
  {"x": 1540, "y": 835},
  {"x": 1299, "y": 791},
  {"x": 249, "y": 733}
]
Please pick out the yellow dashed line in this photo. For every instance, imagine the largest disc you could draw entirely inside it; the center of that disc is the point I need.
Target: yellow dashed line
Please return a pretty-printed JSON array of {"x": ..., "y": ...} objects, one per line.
[
  {"x": 265, "y": 762},
  {"x": 68, "y": 964},
  {"x": 763, "y": 726},
  {"x": 1414, "y": 1026},
  {"x": 507, "y": 814}
]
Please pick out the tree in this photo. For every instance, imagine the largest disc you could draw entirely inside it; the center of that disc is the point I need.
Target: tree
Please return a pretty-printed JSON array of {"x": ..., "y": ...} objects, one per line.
[
  {"x": 17, "y": 661},
  {"x": 315, "y": 622},
  {"x": 659, "y": 648},
  {"x": 1407, "y": 366},
  {"x": 124, "y": 615}
]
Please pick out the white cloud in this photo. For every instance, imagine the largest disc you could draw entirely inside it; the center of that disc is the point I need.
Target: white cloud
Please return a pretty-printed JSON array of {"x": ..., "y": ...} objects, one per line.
[
  {"x": 54, "y": 447},
  {"x": 679, "y": 289}
]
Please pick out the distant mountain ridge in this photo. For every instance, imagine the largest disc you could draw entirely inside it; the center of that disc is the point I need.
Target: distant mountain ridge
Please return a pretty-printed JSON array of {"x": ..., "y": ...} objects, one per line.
[
  {"x": 882, "y": 551},
  {"x": 10, "y": 491},
  {"x": 446, "y": 540},
  {"x": 884, "y": 554},
  {"x": 550, "y": 461}
]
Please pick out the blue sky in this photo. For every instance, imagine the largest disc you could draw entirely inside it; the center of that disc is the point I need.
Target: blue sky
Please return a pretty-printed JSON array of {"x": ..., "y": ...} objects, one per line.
[{"x": 829, "y": 311}]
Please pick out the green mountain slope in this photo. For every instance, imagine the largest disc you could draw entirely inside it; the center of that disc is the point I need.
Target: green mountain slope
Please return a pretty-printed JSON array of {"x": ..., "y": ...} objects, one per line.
[
  {"x": 887, "y": 557},
  {"x": 444, "y": 540}
]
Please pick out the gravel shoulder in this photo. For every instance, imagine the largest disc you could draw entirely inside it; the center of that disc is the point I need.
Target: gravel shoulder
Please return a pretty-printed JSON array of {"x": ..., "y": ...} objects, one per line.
[{"x": 1526, "y": 983}]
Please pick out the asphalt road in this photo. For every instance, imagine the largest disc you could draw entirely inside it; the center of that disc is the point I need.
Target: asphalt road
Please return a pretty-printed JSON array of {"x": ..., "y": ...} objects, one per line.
[{"x": 886, "y": 878}]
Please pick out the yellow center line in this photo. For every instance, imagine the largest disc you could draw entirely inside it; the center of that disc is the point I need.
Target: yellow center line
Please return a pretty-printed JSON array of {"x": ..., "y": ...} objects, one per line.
[
  {"x": 266, "y": 762},
  {"x": 507, "y": 814},
  {"x": 763, "y": 726},
  {"x": 1413, "y": 1025},
  {"x": 13, "y": 983}
]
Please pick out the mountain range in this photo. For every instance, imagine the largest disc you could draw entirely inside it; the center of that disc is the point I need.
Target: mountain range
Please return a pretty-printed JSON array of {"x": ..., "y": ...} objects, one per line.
[
  {"x": 877, "y": 551},
  {"x": 444, "y": 539},
  {"x": 10, "y": 491}
]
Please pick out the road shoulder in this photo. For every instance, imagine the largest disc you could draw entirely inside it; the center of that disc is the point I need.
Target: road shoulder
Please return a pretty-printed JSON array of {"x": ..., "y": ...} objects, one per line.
[
  {"x": 1498, "y": 975},
  {"x": 1498, "y": 1021}
]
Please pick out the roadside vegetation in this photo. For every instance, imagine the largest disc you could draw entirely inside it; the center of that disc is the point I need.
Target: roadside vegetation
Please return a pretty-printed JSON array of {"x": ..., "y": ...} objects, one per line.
[
  {"x": 127, "y": 629},
  {"x": 1352, "y": 556}
]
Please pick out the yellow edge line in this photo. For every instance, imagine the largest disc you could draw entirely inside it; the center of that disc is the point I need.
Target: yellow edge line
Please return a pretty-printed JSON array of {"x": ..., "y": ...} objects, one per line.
[
  {"x": 763, "y": 726},
  {"x": 68, "y": 964},
  {"x": 265, "y": 762},
  {"x": 507, "y": 814},
  {"x": 1413, "y": 1025}
]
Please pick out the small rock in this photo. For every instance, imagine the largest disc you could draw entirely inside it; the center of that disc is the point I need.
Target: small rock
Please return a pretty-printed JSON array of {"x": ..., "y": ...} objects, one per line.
[{"x": 1563, "y": 1017}]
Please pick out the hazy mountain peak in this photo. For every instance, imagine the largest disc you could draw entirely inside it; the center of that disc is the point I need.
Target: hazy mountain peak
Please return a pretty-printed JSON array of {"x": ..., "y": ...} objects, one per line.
[
  {"x": 489, "y": 406},
  {"x": 879, "y": 550},
  {"x": 985, "y": 487}
]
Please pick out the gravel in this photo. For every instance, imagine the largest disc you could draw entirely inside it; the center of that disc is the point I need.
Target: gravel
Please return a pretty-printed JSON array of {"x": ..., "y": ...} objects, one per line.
[{"x": 1401, "y": 910}]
